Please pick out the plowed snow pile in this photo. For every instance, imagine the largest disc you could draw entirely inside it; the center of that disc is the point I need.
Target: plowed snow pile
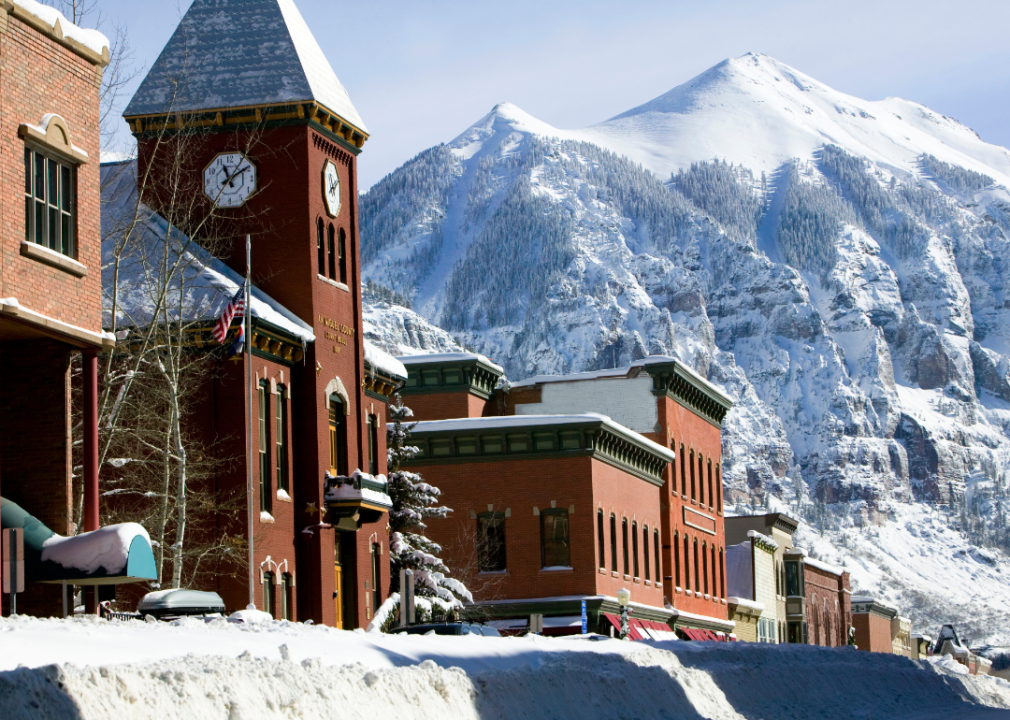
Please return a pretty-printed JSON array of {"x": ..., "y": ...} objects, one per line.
[{"x": 81, "y": 669}]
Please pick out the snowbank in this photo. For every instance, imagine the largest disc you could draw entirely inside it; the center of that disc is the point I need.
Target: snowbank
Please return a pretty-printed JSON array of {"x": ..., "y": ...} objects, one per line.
[{"x": 87, "y": 668}]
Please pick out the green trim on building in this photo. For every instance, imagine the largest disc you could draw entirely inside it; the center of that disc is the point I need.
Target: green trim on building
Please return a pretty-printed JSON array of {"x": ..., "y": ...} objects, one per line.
[
  {"x": 471, "y": 375},
  {"x": 591, "y": 438},
  {"x": 685, "y": 387}
]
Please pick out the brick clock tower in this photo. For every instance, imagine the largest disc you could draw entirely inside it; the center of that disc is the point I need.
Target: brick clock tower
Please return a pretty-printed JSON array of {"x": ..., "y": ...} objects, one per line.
[{"x": 243, "y": 113}]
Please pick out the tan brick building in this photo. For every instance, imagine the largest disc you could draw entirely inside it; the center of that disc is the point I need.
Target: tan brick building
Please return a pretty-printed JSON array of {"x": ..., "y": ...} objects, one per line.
[{"x": 872, "y": 621}]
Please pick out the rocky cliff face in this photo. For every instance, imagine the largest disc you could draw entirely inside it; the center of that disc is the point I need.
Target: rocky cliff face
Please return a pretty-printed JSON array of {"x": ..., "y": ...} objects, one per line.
[{"x": 844, "y": 282}]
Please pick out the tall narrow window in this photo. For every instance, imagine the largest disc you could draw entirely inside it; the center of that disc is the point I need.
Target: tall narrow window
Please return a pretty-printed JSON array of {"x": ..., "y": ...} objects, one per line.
[
  {"x": 634, "y": 548},
  {"x": 711, "y": 488},
  {"x": 50, "y": 203},
  {"x": 342, "y": 255},
  {"x": 624, "y": 535},
  {"x": 694, "y": 489},
  {"x": 320, "y": 246},
  {"x": 645, "y": 550},
  {"x": 718, "y": 488},
  {"x": 555, "y": 550},
  {"x": 601, "y": 547},
  {"x": 264, "y": 453},
  {"x": 613, "y": 542},
  {"x": 701, "y": 480},
  {"x": 673, "y": 468},
  {"x": 268, "y": 593},
  {"x": 376, "y": 578},
  {"x": 491, "y": 542},
  {"x": 687, "y": 564},
  {"x": 722, "y": 574},
  {"x": 287, "y": 597},
  {"x": 697, "y": 568},
  {"x": 715, "y": 575},
  {"x": 281, "y": 438},
  {"x": 338, "y": 436},
  {"x": 655, "y": 547},
  {"x": 331, "y": 251},
  {"x": 676, "y": 560},
  {"x": 704, "y": 566},
  {"x": 373, "y": 444},
  {"x": 683, "y": 473}
]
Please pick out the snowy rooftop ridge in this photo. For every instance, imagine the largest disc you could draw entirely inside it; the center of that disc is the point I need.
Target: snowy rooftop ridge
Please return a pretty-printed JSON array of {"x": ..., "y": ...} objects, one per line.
[
  {"x": 382, "y": 361},
  {"x": 477, "y": 424},
  {"x": 423, "y": 358},
  {"x": 93, "y": 40},
  {"x": 239, "y": 53}
]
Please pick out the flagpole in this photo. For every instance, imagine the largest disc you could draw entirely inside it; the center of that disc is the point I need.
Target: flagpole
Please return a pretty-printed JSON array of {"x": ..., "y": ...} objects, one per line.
[{"x": 249, "y": 419}]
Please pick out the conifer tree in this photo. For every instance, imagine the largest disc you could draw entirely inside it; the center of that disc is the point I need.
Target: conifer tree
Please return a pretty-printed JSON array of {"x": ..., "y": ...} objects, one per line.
[{"x": 413, "y": 501}]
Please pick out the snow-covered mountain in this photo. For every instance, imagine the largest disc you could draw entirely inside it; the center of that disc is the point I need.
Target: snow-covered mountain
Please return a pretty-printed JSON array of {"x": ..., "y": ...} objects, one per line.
[{"x": 836, "y": 265}]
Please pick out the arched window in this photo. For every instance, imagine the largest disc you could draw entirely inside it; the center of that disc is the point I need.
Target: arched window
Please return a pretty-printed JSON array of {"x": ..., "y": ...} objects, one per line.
[
  {"x": 711, "y": 489},
  {"x": 704, "y": 566},
  {"x": 320, "y": 246},
  {"x": 655, "y": 547},
  {"x": 687, "y": 564},
  {"x": 722, "y": 574},
  {"x": 338, "y": 436},
  {"x": 287, "y": 597},
  {"x": 694, "y": 487},
  {"x": 600, "y": 542},
  {"x": 673, "y": 468},
  {"x": 268, "y": 593},
  {"x": 715, "y": 576},
  {"x": 634, "y": 548},
  {"x": 645, "y": 550},
  {"x": 342, "y": 255},
  {"x": 697, "y": 568},
  {"x": 718, "y": 488},
  {"x": 683, "y": 474},
  {"x": 624, "y": 532},
  {"x": 701, "y": 480},
  {"x": 676, "y": 560},
  {"x": 613, "y": 542},
  {"x": 373, "y": 444},
  {"x": 331, "y": 251}
]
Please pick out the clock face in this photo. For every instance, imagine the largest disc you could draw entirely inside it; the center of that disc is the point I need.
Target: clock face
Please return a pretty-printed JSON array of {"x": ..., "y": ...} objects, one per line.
[
  {"x": 331, "y": 188},
  {"x": 229, "y": 180}
]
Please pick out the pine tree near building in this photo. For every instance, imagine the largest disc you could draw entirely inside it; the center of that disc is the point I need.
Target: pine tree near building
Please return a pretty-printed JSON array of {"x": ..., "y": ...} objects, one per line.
[{"x": 414, "y": 500}]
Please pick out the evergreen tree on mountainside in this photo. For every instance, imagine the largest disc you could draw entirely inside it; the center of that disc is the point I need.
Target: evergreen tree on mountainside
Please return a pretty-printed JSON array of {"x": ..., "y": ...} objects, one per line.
[{"x": 413, "y": 501}]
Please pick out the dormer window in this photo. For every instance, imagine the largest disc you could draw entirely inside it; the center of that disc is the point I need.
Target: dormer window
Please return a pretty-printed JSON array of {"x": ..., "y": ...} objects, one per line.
[{"x": 50, "y": 202}]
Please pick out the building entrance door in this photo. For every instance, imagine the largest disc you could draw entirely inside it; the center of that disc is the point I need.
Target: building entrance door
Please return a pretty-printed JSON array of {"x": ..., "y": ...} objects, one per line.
[{"x": 338, "y": 581}]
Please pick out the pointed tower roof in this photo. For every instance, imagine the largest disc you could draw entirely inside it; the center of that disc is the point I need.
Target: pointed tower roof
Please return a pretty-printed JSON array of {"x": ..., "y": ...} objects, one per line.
[{"x": 241, "y": 53}]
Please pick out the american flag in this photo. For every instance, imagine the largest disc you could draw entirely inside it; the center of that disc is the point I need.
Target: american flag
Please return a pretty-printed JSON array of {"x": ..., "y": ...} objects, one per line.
[{"x": 236, "y": 308}]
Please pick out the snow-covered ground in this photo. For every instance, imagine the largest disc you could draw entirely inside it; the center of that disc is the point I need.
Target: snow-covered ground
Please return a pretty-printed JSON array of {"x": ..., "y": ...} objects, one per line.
[{"x": 88, "y": 668}]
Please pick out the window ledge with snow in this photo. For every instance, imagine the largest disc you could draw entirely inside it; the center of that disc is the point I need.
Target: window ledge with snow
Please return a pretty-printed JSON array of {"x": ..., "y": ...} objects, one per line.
[
  {"x": 266, "y": 517},
  {"x": 334, "y": 283},
  {"x": 52, "y": 258},
  {"x": 282, "y": 495},
  {"x": 493, "y": 572},
  {"x": 557, "y": 568}
]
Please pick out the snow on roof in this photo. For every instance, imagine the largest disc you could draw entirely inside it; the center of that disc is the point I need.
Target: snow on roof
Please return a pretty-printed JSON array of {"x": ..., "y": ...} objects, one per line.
[
  {"x": 423, "y": 358},
  {"x": 383, "y": 361},
  {"x": 91, "y": 39},
  {"x": 208, "y": 284},
  {"x": 477, "y": 424},
  {"x": 834, "y": 570},
  {"x": 236, "y": 53},
  {"x": 744, "y": 602},
  {"x": 107, "y": 547},
  {"x": 622, "y": 372}
]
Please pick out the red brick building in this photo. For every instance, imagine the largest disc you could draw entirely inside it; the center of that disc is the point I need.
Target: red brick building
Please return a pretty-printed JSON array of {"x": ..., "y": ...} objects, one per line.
[
  {"x": 49, "y": 266},
  {"x": 872, "y": 621},
  {"x": 657, "y": 400},
  {"x": 271, "y": 141},
  {"x": 824, "y": 615}
]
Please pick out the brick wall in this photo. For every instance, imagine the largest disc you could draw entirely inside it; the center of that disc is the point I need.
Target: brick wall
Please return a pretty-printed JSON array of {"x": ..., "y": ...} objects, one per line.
[
  {"x": 582, "y": 485},
  {"x": 825, "y": 607},
  {"x": 447, "y": 405},
  {"x": 873, "y": 632},
  {"x": 41, "y": 76}
]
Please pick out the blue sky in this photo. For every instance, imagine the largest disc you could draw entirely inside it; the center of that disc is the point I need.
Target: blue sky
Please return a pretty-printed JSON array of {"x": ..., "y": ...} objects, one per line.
[{"x": 421, "y": 72}]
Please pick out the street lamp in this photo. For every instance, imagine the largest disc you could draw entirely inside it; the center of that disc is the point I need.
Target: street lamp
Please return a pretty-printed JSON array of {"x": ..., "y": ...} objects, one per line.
[{"x": 623, "y": 599}]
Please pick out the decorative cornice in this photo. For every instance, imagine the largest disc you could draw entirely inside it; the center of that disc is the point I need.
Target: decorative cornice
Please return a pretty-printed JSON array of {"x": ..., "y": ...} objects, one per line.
[
  {"x": 324, "y": 121},
  {"x": 268, "y": 341},
  {"x": 592, "y": 438},
  {"x": 684, "y": 386},
  {"x": 55, "y": 32},
  {"x": 471, "y": 375}
]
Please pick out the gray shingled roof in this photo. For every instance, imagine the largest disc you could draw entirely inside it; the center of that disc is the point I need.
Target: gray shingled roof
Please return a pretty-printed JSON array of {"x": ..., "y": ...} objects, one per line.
[{"x": 235, "y": 53}]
